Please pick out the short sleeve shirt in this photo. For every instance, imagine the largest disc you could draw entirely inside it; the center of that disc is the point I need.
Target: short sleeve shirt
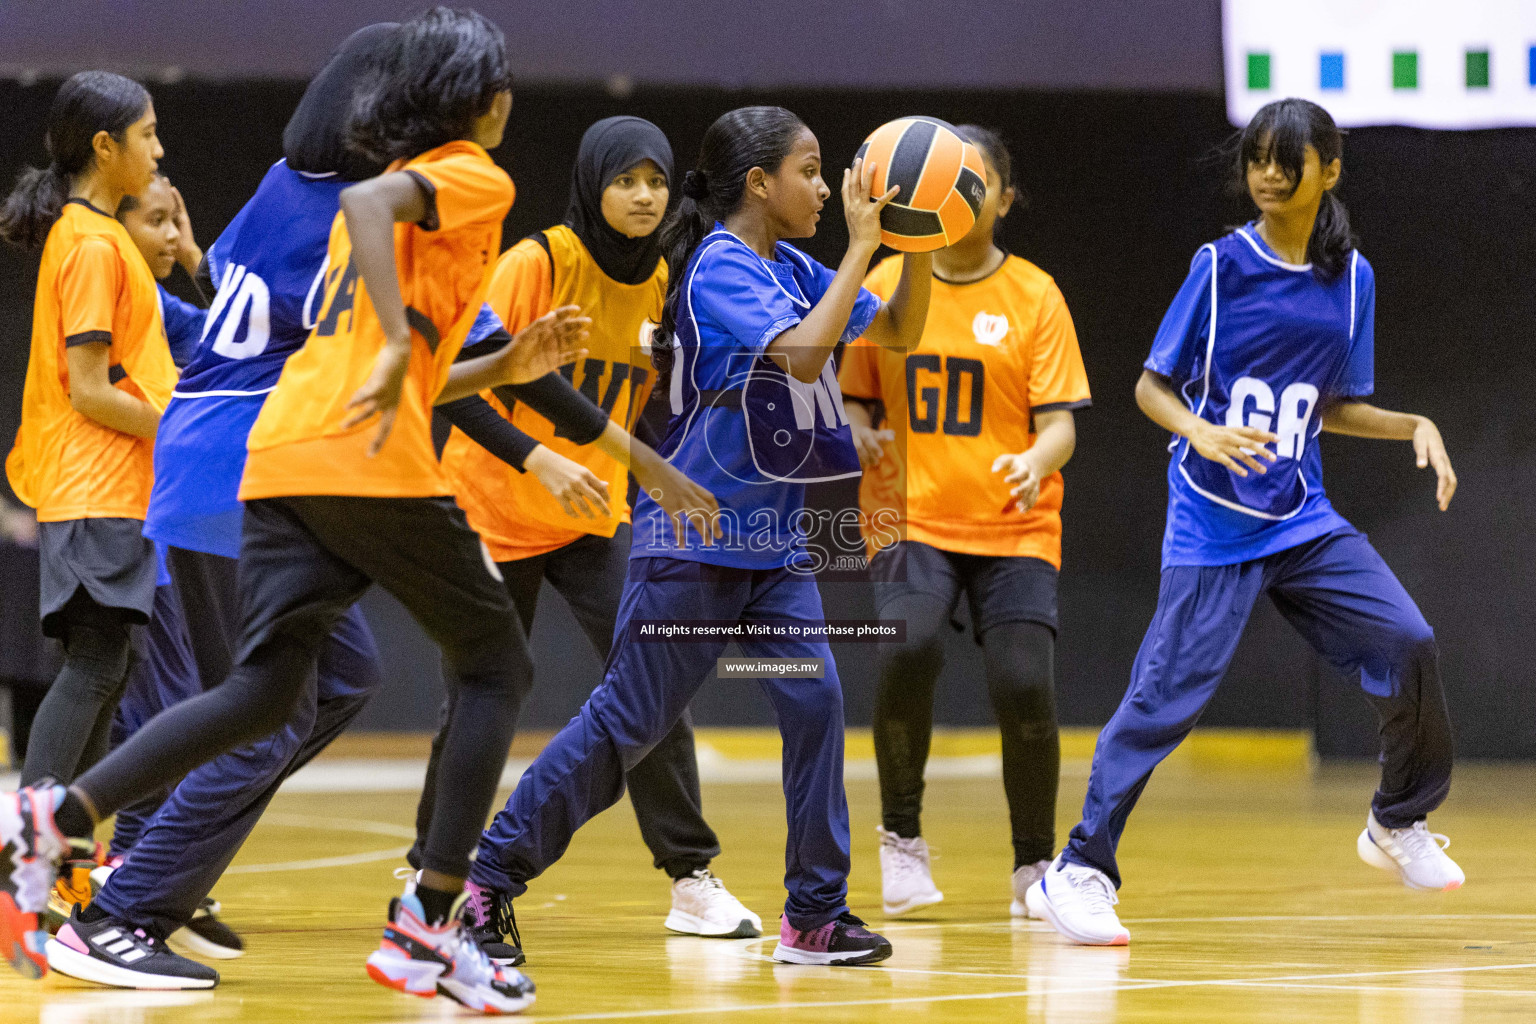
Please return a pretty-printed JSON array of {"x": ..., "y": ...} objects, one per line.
[{"x": 298, "y": 445}]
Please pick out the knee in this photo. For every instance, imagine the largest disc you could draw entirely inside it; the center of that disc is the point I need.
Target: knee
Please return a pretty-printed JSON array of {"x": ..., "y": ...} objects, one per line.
[{"x": 493, "y": 659}]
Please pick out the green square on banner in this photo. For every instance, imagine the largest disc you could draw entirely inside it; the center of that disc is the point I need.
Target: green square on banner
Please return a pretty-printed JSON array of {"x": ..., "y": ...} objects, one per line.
[
  {"x": 1477, "y": 69},
  {"x": 1405, "y": 69},
  {"x": 1258, "y": 71}
]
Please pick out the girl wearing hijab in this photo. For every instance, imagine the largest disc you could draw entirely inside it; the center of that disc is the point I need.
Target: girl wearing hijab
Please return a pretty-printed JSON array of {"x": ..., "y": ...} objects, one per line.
[{"x": 550, "y": 508}]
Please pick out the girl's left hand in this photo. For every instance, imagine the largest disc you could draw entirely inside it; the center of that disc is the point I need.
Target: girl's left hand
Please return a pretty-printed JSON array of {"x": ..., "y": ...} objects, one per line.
[
  {"x": 1021, "y": 473},
  {"x": 1429, "y": 449}
]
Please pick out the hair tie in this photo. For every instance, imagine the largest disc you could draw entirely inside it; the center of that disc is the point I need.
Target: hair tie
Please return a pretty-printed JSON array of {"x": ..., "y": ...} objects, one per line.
[{"x": 696, "y": 186}]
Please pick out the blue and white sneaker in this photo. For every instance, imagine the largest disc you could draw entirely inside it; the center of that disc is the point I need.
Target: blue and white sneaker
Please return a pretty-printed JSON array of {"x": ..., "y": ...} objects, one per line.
[
  {"x": 1079, "y": 902},
  {"x": 423, "y": 960}
]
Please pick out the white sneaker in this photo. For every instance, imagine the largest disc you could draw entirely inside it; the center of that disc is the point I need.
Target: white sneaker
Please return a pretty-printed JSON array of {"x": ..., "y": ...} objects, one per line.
[
  {"x": 702, "y": 905},
  {"x": 1026, "y": 876},
  {"x": 906, "y": 878},
  {"x": 1080, "y": 903},
  {"x": 1415, "y": 853}
]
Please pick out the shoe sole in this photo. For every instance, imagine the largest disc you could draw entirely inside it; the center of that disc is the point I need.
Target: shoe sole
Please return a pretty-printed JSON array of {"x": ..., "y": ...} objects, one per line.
[
  {"x": 79, "y": 965},
  {"x": 471, "y": 1001},
  {"x": 790, "y": 955},
  {"x": 915, "y": 903},
  {"x": 684, "y": 923},
  {"x": 188, "y": 940},
  {"x": 1039, "y": 905},
  {"x": 412, "y": 977},
  {"x": 1376, "y": 857},
  {"x": 21, "y": 939}
]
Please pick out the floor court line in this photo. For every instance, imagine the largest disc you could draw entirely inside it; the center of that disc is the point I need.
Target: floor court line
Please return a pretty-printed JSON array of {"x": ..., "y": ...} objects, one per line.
[
  {"x": 1130, "y": 985},
  {"x": 382, "y": 828}
]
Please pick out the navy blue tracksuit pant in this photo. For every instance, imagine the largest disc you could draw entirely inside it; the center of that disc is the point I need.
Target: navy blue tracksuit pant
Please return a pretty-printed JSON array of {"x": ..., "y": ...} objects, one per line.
[
  {"x": 177, "y": 851},
  {"x": 646, "y": 687},
  {"x": 1347, "y": 604}
]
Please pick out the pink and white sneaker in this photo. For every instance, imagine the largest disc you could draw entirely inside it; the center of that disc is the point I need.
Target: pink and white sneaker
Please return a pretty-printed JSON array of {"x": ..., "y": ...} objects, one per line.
[
  {"x": 33, "y": 849},
  {"x": 841, "y": 943},
  {"x": 423, "y": 960}
]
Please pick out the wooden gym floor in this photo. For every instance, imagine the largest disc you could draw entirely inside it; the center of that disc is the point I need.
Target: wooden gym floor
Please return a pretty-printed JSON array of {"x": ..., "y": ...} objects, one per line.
[{"x": 1243, "y": 894}]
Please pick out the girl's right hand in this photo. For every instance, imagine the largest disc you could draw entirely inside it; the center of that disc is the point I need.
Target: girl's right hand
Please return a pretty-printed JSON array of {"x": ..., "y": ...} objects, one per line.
[
  {"x": 870, "y": 444},
  {"x": 578, "y": 490},
  {"x": 861, "y": 208},
  {"x": 1230, "y": 446}
]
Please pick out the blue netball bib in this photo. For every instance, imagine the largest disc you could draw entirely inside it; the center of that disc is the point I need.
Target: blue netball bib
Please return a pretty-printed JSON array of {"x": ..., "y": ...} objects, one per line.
[{"x": 1254, "y": 341}]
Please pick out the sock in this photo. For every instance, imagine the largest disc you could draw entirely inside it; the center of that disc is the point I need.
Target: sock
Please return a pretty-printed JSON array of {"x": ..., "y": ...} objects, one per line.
[
  {"x": 436, "y": 904},
  {"x": 73, "y": 819},
  {"x": 678, "y": 870}
]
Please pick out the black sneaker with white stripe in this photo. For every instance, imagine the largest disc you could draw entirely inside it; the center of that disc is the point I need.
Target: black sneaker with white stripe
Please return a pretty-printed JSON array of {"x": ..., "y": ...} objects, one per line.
[{"x": 112, "y": 952}]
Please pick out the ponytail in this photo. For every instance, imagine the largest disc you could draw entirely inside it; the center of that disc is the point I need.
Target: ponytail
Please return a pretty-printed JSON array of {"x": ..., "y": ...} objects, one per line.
[
  {"x": 33, "y": 205},
  {"x": 1281, "y": 131},
  {"x": 89, "y": 102},
  {"x": 1329, "y": 247},
  {"x": 738, "y": 141}
]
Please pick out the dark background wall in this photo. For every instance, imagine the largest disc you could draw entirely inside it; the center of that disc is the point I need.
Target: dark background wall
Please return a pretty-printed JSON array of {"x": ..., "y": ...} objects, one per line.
[
  {"x": 1120, "y": 199},
  {"x": 1057, "y": 44}
]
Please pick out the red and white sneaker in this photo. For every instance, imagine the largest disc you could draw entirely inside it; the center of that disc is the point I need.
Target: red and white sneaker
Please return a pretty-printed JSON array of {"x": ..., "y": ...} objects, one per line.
[
  {"x": 841, "y": 943},
  {"x": 423, "y": 960},
  {"x": 33, "y": 849}
]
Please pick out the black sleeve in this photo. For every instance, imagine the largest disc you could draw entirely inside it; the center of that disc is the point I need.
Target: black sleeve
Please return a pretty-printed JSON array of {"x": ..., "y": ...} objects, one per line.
[
  {"x": 575, "y": 418},
  {"x": 489, "y": 429}
]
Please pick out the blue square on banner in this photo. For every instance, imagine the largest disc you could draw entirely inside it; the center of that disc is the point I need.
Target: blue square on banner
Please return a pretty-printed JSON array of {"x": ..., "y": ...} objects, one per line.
[{"x": 1330, "y": 71}]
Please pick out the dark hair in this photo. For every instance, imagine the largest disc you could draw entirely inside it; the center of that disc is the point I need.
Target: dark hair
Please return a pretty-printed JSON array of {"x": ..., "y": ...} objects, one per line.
[
  {"x": 315, "y": 138},
  {"x": 89, "y": 102},
  {"x": 436, "y": 74},
  {"x": 995, "y": 151},
  {"x": 1282, "y": 131},
  {"x": 738, "y": 141}
]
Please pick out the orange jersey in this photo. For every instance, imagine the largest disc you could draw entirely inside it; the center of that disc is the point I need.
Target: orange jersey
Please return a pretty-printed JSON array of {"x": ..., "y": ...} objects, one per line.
[
  {"x": 994, "y": 352},
  {"x": 298, "y": 445},
  {"x": 512, "y": 511},
  {"x": 93, "y": 286}
]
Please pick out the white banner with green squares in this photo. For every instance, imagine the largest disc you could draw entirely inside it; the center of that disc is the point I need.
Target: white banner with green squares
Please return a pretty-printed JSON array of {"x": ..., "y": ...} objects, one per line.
[{"x": 1426, "y": 63}]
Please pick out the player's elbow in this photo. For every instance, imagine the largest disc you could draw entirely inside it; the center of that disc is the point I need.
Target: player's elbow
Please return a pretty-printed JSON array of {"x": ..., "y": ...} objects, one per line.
[{"x": 1149, "y": 386}]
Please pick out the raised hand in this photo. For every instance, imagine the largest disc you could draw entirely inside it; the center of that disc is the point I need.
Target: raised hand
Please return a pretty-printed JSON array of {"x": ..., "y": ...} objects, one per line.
[
  {"x": 1234, "y": 447},
  {"x": 547, "y": 344},
  {"x": 861, "y": 208}
]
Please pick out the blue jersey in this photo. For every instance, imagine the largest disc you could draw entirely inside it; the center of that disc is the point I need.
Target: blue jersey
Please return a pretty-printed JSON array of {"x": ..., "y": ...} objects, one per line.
[
  {"x": 183, "y": 326},
  {"x": 740, "y": 426},
  {"x": 1251, "y": 340},
  {"x": 269, "y": 264}
]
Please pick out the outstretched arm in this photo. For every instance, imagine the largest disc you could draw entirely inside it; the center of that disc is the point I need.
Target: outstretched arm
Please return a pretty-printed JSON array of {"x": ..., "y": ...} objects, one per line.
[{"x": 1362, "y": 419}]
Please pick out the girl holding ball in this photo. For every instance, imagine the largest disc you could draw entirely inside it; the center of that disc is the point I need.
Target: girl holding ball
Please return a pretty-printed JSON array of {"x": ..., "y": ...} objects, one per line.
[{"x": 750, "y": 322}]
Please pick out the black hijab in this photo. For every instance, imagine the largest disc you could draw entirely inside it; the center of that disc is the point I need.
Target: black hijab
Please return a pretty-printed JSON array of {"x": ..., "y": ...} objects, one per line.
[
  {"x": 315, "y": 140},
  {"x": 609, "y": 148}
]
